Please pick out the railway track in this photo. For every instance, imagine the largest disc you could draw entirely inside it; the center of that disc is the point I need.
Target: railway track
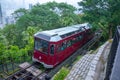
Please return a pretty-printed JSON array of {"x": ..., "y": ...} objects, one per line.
[
  {"x": 31, "y": 72},
  {"x": 28, "y": 72}
]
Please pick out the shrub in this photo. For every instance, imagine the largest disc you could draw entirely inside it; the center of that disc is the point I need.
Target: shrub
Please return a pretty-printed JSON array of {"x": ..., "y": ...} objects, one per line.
[{"x": 61, "y": 74}]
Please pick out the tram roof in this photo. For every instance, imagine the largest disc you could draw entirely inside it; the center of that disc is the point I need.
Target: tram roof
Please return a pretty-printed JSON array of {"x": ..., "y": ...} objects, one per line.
[{"x": 56, "y": 34}]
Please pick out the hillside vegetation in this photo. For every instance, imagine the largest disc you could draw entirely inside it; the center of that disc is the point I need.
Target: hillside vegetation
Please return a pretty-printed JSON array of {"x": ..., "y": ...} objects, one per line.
[{"x": 17, "y": 39}]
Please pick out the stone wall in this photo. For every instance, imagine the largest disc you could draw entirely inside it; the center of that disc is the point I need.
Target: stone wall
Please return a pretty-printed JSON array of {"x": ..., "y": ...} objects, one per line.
[{"x": 97, "y": 66}]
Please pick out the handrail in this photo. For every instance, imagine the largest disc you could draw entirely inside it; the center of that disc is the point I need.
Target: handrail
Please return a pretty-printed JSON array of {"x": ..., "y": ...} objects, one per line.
[{"x": 113, "y": 65}]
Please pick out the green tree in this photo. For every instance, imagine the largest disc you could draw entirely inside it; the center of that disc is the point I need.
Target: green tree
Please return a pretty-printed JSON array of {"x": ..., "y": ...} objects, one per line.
[
  {"x": 9, "y": 32},
  {"x": 48, "y": 16},
  {"x": 66, "y": 13},
  {"x": 18, "y": 13},
  {"x": 28, "y": 37},
  {"x": 102, "y": 14},
  {"x": 2, "y": 49}
]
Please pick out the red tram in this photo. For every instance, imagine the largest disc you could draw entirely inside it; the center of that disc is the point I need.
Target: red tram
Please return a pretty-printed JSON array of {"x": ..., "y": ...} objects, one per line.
[{"x": 51, "y": 47}]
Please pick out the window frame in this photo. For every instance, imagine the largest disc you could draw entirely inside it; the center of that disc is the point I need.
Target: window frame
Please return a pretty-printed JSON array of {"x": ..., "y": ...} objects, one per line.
[{"x": 39, "y": 41}]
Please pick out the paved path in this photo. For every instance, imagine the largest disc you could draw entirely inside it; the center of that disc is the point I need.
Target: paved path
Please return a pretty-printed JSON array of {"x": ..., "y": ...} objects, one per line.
[{"x": 81, "y": 68}]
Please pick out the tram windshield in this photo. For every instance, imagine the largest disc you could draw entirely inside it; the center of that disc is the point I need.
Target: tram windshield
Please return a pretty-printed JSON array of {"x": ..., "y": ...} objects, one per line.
[{"x": 41, "y": 45}]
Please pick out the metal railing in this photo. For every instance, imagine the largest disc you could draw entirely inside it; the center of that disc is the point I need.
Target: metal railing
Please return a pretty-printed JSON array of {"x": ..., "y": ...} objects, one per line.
[{"x": 113, "y": 54}]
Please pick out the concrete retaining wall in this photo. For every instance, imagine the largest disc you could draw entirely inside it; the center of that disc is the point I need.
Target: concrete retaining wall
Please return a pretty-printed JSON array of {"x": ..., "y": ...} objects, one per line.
[{"x": 96, "y": 71}]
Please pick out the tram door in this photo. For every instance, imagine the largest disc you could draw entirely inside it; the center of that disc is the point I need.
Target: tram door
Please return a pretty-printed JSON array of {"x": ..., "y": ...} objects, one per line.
[{"x": 52, "y": 58}]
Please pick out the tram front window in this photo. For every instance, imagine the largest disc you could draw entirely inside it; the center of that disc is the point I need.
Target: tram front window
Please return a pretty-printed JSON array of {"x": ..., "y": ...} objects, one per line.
[{"x": 41, "y": 45}]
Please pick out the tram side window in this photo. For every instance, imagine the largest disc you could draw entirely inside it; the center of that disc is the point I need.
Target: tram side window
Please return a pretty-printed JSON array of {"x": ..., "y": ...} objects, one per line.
[
  {"x": 77, "y": 38},
  {"x": 69, "y": 43},
  {"x": 74, "y": 40},
  {"x": 52, "y": 49},
  {"x": 89, "y": 32},
  {"x": 80, "y": 37},
  {"x": 63, "y": 46}
]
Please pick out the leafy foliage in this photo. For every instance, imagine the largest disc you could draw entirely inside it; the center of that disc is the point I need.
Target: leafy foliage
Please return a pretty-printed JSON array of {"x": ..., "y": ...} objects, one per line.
[
  {"x": 61, "y": 74},
  {"x": 103, "y": 14},
  {"x": 18, "y": 13},
  {"x": 10, "y": 33},
  {"x": 28, "y": 38},
  {"x": 47, "y": 16}
]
